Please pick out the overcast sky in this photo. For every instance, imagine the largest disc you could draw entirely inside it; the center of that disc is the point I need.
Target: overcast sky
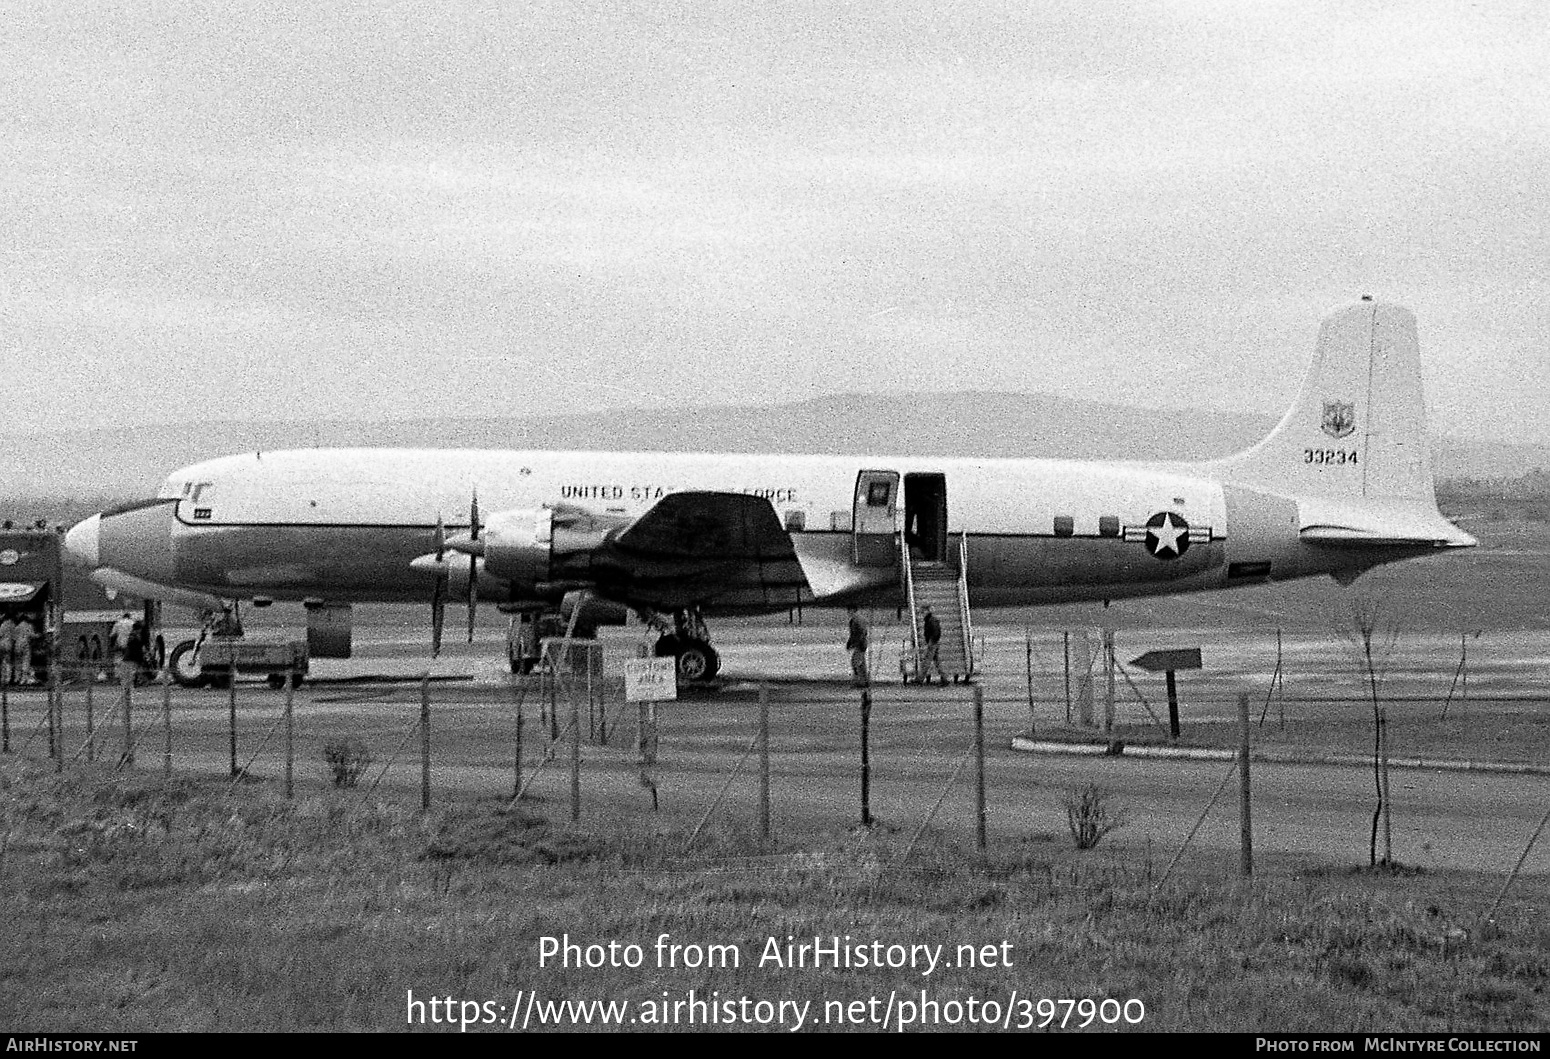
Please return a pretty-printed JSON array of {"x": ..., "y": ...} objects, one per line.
[{"x": 382, "y": 210}]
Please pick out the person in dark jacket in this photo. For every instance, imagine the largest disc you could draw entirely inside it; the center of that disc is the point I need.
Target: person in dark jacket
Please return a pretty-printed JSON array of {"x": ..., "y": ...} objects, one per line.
[
  {"x": 932, "y": 630},
  {"x": 134, "y": 653}
]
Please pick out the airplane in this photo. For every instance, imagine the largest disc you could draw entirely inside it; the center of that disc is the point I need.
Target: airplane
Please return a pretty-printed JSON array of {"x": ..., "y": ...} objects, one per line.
[{"x": 1342, "y": 484}]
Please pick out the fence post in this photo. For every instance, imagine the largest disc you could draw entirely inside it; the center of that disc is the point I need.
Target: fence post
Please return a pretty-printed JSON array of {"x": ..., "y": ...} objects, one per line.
[
  {"x": 56, "y": 712},
  {"x": 979, "y": 768},
  {"x": 5, "y": 712},
  {"x": 1247, "y": 857},
  {"x": 866, "y": 762},
  {"x": 602, "y": 697},
  {"x": 575, "y": 758},
  {"x": 290, "y": 733},
  {"x": 1383, "y": 764},
  {"x": 166, "y": 718},
  {"x": 91, "y": 751},
  {"x": 516, "y": 765},
  {"x": 231, "y": 700},
  {"x": 1065, "y": 638},
  {"x": 553, "y": 668},
  {"x": 129, "y": 743},
  {"x": 764, "y": 763},
  {"x": 591, "y": 706},
  {"x": 1028, "y": 645},
  {"x": 425, "y": 741},
  {"x": 1280, "y": 682},
  {"x": 55, "y": 737},
  {"x": 1108, "y": 678}
]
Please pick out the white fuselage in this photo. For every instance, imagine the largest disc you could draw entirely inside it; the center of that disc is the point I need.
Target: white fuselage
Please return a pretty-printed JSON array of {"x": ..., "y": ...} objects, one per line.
[{"x": 346, "y": 524}]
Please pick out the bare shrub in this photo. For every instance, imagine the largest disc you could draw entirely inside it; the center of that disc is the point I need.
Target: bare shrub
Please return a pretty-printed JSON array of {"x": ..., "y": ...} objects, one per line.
[
  {"x": 347, "y": 760},
  {"x": 1089, "y": 815}
]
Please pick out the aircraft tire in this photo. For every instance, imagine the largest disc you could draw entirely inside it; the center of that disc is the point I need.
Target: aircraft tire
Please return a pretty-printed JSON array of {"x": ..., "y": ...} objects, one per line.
[
  {"x": 697, "y": 661},
  {"x": 184, "y": 666}
]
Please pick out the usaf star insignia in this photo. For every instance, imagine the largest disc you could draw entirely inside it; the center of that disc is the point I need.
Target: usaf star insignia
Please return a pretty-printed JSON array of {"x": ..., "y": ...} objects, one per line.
[{"x": 1167, "y": 535}]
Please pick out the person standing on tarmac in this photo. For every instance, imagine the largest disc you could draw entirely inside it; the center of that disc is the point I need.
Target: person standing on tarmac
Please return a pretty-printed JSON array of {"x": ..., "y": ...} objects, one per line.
[
  {"x": 933, "y": 639},
  {"x": 7, "y": 651},
  {"x": 857, "y": 645},
  {"x": 118, "y": 640}
]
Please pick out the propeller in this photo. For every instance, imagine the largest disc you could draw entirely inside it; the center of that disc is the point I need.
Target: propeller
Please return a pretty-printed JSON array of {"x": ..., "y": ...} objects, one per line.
[
  {"x": 473, "y": 563},
  {"x": 439, "y": 593}
]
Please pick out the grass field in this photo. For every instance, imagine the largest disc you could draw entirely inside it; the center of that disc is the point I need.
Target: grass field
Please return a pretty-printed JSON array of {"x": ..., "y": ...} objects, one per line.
[{"x": 135, "y": 903}]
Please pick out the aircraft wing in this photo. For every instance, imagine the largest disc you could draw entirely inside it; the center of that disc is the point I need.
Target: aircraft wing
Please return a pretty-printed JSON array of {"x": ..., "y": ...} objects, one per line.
[
  {"x": 708, "y": 526},
  {"x": 726, "y": 550}
]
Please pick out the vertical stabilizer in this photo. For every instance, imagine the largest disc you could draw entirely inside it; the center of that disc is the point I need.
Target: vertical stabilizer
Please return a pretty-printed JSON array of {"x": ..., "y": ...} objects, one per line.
[{"x": 1358, "y": 429}]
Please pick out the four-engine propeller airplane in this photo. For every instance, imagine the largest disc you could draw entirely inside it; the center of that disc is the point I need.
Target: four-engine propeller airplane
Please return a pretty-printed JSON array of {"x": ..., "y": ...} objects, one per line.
[{"x": 1342, "y": 484}]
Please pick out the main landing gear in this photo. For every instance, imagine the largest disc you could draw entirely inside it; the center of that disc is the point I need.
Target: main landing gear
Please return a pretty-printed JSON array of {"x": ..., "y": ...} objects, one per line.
[{"x": 689, "y": 642}]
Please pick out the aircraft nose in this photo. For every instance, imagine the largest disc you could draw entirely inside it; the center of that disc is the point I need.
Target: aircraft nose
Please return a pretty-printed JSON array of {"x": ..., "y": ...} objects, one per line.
[
  {"x": 136, "y": 540},
  {"x": 83, "y": 543}
]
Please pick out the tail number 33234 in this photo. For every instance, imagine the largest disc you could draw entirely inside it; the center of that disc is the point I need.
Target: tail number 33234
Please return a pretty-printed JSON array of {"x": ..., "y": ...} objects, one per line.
[{"x": 1335, "y": 456}]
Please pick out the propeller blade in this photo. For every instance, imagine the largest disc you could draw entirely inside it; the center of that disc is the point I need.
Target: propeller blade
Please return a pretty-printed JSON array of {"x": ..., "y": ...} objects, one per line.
[
  {"x": 439, "y": 591},
  {"x": 473, "y": 564}
]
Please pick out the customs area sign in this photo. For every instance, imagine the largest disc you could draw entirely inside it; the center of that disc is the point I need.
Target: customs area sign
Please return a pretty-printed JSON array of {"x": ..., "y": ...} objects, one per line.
[{"x": 650, "y": 679}]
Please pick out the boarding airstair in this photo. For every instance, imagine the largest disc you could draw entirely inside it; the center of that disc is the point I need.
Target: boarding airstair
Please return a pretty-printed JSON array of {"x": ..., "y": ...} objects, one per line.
[{"x": 946, "y": 591}]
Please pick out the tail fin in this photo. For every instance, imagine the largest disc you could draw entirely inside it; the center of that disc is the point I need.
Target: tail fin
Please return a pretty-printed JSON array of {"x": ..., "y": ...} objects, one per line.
[
  {"x": 1353, "y": 451},
  {"x": 1358, "y": 429}
]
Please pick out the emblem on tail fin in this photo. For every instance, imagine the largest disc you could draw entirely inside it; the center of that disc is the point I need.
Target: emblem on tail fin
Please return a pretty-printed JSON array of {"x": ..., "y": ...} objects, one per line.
[{"x": 1339, "y": 418}]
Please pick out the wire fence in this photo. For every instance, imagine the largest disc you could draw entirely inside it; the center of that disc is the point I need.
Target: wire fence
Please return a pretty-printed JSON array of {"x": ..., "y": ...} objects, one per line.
[{"x": 779, "y": 760}]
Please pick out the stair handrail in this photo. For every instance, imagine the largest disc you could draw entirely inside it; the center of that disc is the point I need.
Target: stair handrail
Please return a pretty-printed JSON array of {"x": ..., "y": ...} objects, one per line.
[
  {"x": 909, "y": 599},
  {"x": 963, "y": 601}
]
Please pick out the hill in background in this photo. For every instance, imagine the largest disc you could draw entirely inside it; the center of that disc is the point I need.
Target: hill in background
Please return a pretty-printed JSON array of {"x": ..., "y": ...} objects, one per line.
[{"x": 131, "y": 462}]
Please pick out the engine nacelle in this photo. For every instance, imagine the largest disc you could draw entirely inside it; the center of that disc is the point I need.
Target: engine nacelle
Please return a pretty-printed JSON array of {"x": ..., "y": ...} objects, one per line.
[
  {"x": 594, "y": 611},
  {"x": 534, "y": 547}
]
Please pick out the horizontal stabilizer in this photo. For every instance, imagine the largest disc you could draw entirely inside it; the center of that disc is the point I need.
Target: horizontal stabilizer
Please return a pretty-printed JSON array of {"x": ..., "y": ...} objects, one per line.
[{"x": 1371, "y": 525}]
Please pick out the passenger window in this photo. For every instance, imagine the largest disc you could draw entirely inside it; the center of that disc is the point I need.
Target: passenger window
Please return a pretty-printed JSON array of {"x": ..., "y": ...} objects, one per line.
[
  {"x": 1065, "y": 525},
  {"x": 1108, "y": 526},
  {"x": 877, "y": 494}
]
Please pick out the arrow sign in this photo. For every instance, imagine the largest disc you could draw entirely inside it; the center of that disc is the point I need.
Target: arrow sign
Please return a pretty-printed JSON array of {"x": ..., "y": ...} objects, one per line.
[{"x": 1168, "y": 660}]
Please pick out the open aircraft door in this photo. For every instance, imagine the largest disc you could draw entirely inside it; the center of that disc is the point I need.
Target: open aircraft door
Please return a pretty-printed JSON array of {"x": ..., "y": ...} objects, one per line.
[{"x": 874, "y": 520}]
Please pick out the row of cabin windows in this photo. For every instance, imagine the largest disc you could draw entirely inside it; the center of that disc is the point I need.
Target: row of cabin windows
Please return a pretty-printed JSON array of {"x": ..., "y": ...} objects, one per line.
[{"x": 1108, "y": 526}]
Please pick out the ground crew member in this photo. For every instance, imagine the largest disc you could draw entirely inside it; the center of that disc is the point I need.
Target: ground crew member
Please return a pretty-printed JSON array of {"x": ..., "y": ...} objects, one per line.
[
  {"x": 933, "y": 634},
  {"x": 10, "y": 632},
  {"x": 118, "y": 640},
  {"x": 857, "y": 645},
  {"x": 134, "y": 653}
]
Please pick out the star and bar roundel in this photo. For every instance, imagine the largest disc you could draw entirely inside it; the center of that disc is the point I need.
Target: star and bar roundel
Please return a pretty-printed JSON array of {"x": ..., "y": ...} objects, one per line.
[{"x": 1166, "y": 535}]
